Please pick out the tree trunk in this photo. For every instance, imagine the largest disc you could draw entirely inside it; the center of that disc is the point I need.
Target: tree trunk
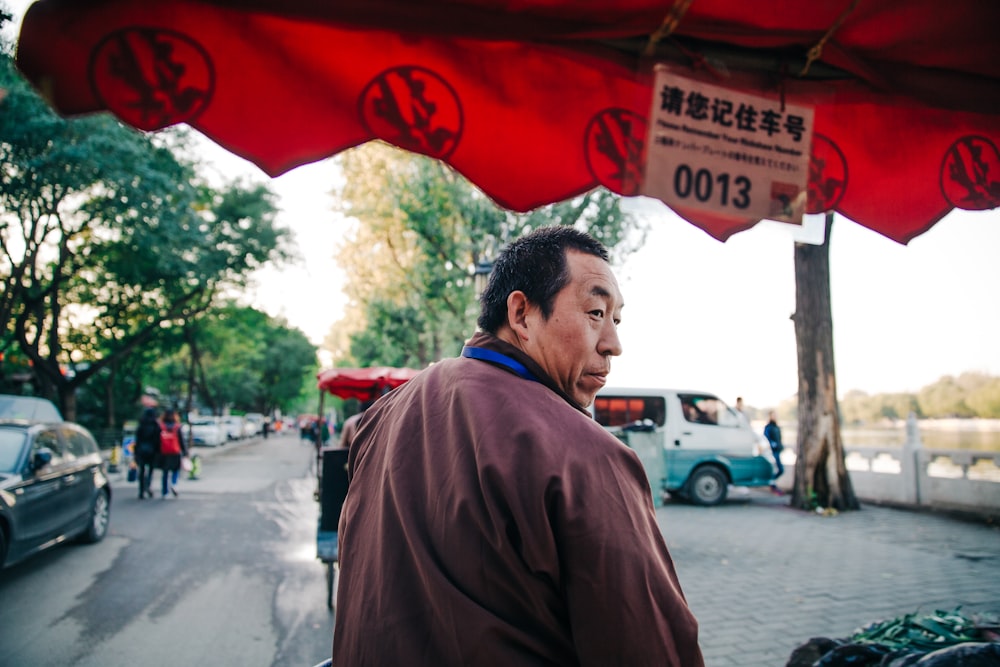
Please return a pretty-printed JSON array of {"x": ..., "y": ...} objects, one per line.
[
  {"x": 821, "y": 478},
  {"x": 109, "y": 395},
  {"x": 67, "y": 401}
]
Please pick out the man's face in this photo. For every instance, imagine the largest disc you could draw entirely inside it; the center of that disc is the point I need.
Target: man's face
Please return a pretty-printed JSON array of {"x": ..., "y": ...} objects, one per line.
[{"x": 576, "y": 343}]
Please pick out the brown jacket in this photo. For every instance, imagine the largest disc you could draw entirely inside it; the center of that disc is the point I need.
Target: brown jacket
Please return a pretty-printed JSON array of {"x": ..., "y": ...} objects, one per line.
[{"x": 490, "y": 521}]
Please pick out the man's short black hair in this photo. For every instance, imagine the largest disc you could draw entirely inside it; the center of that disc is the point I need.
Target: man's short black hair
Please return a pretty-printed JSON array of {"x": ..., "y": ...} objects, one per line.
[{"x": 536, "y": 265}]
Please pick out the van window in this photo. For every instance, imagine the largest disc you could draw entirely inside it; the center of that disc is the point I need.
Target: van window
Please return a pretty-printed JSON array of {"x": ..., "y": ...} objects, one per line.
[
  {"x": 612, "y": 411},
  {"x": 701, "y": 409}
]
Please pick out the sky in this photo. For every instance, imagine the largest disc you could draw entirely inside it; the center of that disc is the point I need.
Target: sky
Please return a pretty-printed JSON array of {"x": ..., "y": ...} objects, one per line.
[{"x": 714, "y": 316}]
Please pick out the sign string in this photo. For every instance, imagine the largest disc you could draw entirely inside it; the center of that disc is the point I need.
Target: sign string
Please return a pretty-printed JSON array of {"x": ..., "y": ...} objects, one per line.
[{"x": 816, "y": 51}]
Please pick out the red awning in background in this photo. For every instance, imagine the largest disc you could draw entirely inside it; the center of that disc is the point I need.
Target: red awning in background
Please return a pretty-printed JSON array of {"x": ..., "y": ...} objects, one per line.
[
  {"x": 537, "y": 101},
  {"x": 362, "y": 383}
]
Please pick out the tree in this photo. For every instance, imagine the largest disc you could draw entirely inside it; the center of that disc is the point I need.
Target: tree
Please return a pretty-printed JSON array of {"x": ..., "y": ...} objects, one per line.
[
  {"x": 984, "y": 399},
  {"x": 421, "y": 230},
  {"x": 944, "y": 398},
  {"x": 109, "y": 237},
  {"x": 820, "y": 471},
  {"x": 235, "y": 357},
  {"x": 391, "y": 337},
  {"x": 857, "y": 407},
  {"x": 289, "y": 363}
]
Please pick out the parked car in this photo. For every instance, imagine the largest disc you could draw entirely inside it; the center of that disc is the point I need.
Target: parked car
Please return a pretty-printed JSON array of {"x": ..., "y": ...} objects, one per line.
[
  {"x": 691, "y": 443},
  {"x": 235, "y": 428},
  {"x": 53, "y": 487},
  {"x": 207, "y": 431},
  {"x": 254, "y": 422}
]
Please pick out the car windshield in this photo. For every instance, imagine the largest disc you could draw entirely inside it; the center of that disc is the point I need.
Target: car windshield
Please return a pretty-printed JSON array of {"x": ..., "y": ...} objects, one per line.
[{"x": 11, "y": 441}]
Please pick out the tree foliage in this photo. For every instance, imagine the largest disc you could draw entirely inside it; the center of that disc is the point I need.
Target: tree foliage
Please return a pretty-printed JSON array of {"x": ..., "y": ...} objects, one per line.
[
  {"x": 968, "y": 395},
  {"x": 857, "y": 407},
  {"x": 236, "y": 358},
  {"x": 984, "y": 398},
  {"x": 109, "y": 238},
  {"x": 421, "y": 230}
]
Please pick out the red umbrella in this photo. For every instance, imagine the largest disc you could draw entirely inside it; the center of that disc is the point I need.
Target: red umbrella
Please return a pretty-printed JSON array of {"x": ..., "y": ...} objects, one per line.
[
  {"x": 362, "y": 383},
  {"x": 539, "y": 100}
]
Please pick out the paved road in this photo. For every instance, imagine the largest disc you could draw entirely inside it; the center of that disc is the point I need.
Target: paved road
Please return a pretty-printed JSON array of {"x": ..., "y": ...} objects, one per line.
[
  {"x": 763, "y": 578},
  {"x": 224, "y": 574}
]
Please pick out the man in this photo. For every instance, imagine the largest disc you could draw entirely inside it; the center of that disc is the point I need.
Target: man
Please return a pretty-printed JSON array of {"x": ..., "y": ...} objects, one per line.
[
  {"x": 146, "y": 449},
  {"x": 490, "y": 520},
  {"x": 740, "y": 410},
  {"x": 773, "y": 434}
]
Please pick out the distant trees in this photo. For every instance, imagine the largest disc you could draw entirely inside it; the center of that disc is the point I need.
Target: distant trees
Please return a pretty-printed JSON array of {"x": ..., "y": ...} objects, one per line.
[
  {"x": 969, "y": 395},
  {"x": 422, "y": 230},
  {"x": 859, "y": 407},
  {"x": 236, "y": 357},
  {"x": 983, "y": 395}
]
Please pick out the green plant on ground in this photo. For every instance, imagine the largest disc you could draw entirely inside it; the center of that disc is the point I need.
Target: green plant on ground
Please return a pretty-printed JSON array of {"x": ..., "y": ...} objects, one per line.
[{"x": 921, "y": 631}]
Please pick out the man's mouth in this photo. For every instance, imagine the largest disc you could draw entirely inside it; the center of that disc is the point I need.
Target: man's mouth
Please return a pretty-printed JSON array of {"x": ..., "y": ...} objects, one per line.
[{"x": 600, "y": 376}]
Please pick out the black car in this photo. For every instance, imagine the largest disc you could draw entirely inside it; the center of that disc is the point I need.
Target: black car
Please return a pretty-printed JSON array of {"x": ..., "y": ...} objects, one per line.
[{"x": 53, "y": 487}]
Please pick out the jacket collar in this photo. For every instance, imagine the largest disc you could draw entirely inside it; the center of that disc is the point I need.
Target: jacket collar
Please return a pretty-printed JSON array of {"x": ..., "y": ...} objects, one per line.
[{"x": 490, "y": 342}]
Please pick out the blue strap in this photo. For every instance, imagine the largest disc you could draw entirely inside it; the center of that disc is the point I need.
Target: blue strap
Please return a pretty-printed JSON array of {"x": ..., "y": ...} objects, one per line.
[{"x": 491, "y": 356}]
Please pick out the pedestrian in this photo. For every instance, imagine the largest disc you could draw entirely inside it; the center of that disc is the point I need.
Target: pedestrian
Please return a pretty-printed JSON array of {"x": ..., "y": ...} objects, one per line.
[
  {"x": 350, "y": 425},
  {"x": 489, "y": 519},
  {"x": 146, "y": 450},
  {"x": 773, "y": 434},
  {"x": 741, "y": 411},
  {"x": 172, "y": 448}
]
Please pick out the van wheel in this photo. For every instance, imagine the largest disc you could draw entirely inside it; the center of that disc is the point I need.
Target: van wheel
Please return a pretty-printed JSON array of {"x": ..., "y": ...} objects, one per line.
[{"x": 707, "y": 486}]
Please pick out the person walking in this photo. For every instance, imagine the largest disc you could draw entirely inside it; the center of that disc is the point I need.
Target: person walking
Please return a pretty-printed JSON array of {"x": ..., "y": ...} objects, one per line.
[
  {"x": 147, "y": 449},
  {"x": 741, "y": 410},
  {"x": 489, "y": 520},
  {"x": 172, "y": 448},
  {"x": 773, "y": 434}
]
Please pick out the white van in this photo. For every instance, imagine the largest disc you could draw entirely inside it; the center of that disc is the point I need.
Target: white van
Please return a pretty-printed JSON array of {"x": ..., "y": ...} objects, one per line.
[{"x": 691, "y": 443}]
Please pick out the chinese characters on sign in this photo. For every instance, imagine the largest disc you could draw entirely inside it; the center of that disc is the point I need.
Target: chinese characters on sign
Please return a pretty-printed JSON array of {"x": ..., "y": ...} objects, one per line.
[{"x": 729, "y": 152}]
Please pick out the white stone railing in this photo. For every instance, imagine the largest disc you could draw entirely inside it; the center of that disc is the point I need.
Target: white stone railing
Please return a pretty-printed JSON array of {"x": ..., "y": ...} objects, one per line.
[{"x": 950, "y": 479}]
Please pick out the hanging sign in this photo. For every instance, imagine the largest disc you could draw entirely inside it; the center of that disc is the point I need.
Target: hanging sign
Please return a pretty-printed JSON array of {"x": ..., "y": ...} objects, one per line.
[{"x": 729, "y": 152}]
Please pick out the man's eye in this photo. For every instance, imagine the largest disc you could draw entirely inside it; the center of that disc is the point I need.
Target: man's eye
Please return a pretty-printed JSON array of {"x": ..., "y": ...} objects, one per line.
[{"x": 597, "y": 313}]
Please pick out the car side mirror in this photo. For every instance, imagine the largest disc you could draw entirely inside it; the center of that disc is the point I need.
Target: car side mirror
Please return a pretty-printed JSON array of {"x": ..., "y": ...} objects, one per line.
[{"x": 42, "y": 458}]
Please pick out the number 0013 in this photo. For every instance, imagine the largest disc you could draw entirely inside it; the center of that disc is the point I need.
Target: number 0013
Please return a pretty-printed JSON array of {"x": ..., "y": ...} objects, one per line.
[{"x": 702, "y": 186}]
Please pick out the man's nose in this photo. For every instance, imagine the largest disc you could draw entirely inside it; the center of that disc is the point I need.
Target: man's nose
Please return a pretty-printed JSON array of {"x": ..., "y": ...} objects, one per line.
[{"x": 610, "y": 344}]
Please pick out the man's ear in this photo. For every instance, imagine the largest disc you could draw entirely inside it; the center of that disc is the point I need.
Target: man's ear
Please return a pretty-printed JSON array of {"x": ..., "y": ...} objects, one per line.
[{"x": 517, "y": 313}]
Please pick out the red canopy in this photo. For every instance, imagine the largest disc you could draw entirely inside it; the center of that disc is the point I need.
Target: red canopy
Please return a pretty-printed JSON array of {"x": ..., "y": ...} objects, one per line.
[
  {"x": 539, "y": 100},
  {"x": 363, "y": 383}
]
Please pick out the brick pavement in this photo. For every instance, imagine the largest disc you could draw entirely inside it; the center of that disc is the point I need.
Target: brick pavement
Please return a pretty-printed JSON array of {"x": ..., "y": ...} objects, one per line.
[{"x": 763, "y": 578}]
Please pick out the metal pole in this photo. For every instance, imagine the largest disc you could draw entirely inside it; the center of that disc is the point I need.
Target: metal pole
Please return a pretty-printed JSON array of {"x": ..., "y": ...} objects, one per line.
[{"x": 319, "y": 445}]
